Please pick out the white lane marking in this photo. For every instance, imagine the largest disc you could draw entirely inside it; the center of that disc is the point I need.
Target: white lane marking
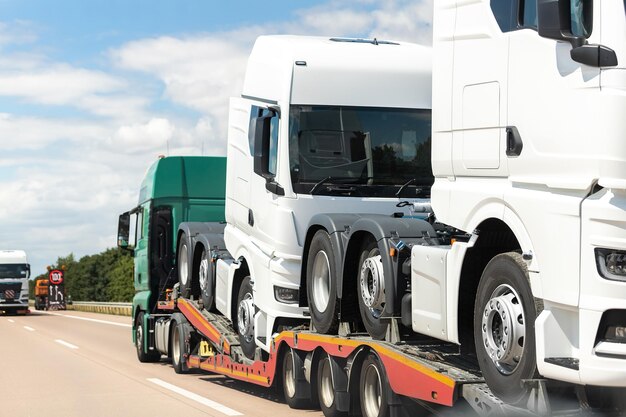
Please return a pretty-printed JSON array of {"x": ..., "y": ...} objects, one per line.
[
  {"x": 195, "y": 397},
  {"x": 88, "y": 319},
  {"x": 64, "y": 343},
  {"x": 30, "y": 329},
  {"x": 11, "y": 320}
]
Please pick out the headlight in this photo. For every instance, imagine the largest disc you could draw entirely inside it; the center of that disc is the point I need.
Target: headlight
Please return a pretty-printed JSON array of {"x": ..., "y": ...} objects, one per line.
[
  {"x": 611, "y": 263},
  {"x": 286, "y": 295}
]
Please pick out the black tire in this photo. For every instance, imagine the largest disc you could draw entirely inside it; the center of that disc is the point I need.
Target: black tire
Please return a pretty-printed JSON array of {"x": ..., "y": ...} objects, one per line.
[
  {"x": 183, "y": 264},
  {"x": 373, "y": 387},
  {"x": 376, "y": 327},
  {"x": 140, "y": 331},
  {"x": 289, "y": 370},
  {"x": 205, "y": 278},
  {"x": 179, "y": 348},
  {"x": 321, "y": 284},
  {"x": 245, "y": 318},
  {"x": 504, "y": 327},
  {"x": 325, "y": 389}
]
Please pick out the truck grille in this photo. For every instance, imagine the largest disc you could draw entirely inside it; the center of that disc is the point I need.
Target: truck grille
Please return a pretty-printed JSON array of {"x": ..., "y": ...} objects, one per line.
[{"x": 10, "y": 291}]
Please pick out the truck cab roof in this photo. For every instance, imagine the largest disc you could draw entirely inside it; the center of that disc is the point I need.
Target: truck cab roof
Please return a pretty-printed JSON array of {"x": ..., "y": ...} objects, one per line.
[
  {"x": 185, "y": 177},
  {"x": 308, "y": 70}
]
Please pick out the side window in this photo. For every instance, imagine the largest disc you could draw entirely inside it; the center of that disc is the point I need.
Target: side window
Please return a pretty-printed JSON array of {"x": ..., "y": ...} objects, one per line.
[
  {"x": 504, "y": 12},
  {"x": 515, "y": 14},
  {"x": 273, "y": 156},
  {"x": 528, "y": 13}
]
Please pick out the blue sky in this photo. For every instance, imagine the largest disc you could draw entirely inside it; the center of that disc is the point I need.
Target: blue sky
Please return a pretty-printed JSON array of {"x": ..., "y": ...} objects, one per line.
[{"x": 91, "y": 92}]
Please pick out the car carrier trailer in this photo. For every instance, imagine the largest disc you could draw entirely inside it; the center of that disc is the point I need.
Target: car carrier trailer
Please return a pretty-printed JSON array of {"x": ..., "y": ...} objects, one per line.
[{"x": 346, "y": 374}]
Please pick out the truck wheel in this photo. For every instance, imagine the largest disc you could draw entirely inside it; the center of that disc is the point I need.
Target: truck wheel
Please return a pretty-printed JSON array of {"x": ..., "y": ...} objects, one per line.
[
  {"x": 142, "y": 355},
  {"x": 373, "y": 388},
  {"x": 371, "y": 290},
  {"x": 326, "y": 389},
  {"x": 184, "y": 277},
  {"x": 321, "y": 286},
  {"x": 180, "y": 349},
  {"x": 206, "y": 281},
  {"x": 504, "y": 327},
  {"x": 290, "y": 385},
  {"x": 245, "y": 318}
]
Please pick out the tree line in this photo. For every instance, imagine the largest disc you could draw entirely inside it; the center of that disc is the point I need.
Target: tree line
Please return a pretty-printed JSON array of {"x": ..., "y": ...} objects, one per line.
[{"x": 105, "y": 277}]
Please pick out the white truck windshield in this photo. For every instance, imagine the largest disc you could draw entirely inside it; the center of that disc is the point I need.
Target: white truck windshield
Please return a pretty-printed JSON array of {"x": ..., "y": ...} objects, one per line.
[
  {"x": 13, "y": 271},
  {"x": 360, "y": 151}
]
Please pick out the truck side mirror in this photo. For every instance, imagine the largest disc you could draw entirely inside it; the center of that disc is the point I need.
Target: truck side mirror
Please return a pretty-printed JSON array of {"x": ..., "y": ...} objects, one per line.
[
  {"x": 554, "y": 21},
  {"x": 262, "y": 150},
  {"x": 262, "y": 132},
  {"x": 123, "y": 230}
]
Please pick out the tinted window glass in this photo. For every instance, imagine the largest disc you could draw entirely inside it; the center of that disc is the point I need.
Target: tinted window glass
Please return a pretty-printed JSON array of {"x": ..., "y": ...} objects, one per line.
[
  {"x": 273, "y": 156},
  {"x": 367, "y": 151},
  {"x": 13, "y": 271},
  {"x": 503, "y": 11},
  {"x": 529, "y": 13}
]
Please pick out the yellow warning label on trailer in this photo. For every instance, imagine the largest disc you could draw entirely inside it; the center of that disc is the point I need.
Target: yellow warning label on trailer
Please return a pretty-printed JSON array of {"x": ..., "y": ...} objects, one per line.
[{"x": 205, "y": 349}]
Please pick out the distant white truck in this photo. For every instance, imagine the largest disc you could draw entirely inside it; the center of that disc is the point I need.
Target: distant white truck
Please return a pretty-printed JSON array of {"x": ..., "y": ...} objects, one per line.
[{"x": 14, "y": 274}]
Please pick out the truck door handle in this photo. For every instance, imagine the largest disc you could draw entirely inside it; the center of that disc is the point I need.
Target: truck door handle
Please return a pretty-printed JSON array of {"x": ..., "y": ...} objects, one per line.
[
  {"x": 250, "y": 218},
  {"x": 514, "y": 144}
]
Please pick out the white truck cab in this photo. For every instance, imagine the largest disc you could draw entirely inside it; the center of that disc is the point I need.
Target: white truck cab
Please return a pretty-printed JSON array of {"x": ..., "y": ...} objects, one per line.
[
  {"x": 529, "y": 157},
  {"x": 14, "y": 274},
  {"x": 322, "y": 126}
]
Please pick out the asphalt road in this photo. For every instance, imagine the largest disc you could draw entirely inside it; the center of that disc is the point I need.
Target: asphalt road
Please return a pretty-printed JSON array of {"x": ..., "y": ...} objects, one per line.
[{"x": 83, "y": 364}]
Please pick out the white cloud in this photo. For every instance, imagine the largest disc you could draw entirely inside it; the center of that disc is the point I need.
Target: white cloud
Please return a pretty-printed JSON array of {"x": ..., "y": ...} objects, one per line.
[
  {"x": 35, "y": 133},
  {"x": 150, "y": 136},
  {"x": 17, "y": 32},
  {"x": 61, "y": 84}
]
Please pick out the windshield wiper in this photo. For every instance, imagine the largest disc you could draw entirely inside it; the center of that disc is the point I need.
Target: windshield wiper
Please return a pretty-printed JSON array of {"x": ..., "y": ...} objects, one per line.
[
  {"x": 406, "y": 184},
  {"x": 419, "y": 191},
  {"x": 319, "y": 184}
]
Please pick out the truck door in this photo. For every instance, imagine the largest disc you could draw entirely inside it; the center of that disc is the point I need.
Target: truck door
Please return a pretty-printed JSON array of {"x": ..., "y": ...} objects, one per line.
[
  {"x": 551, "y": 102},
  {"x": 479, "y": 89},
  {"x": 249, "y": 206},
  {"x": 160, "y": 248}
]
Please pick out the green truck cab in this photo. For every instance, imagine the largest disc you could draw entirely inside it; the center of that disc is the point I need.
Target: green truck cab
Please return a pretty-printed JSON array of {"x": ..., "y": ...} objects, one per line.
[{"x": 174, "y": 190}]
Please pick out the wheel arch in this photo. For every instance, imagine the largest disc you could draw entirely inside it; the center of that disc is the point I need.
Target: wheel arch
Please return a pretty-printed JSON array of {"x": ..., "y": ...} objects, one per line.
[
  {"x": 333, "y": 224},
  {"x": 238, "y": 277},
  {"x": 350, "y": 271},
  {"x": 494, "y": 237},
  {"x": 354, "y": 376}
]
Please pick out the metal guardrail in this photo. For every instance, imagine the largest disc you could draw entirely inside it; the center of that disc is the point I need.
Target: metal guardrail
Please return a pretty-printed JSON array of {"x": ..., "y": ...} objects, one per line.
[
  {"x": 120, "y": 309},
  {"x": 99, "y": 303}
]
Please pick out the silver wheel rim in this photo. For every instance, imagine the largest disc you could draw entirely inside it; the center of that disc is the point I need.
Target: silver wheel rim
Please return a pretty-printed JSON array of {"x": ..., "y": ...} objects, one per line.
[
  {"x": 245, "y": 317},
  {"x": 203, "y": 272},
  {"x": 175, "y": 346},
  {"x": 372, "y": 285},
  {"x": 503, "y": 329},
  {"x": 321, "y": 281},
  {"x": 327, "y": 391},
  {"x": 372, "y": 389},
  {"x": 290, "y": 378},
  {"x": 139, "y": 336},
  {"x": 183, "y": 271}
]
